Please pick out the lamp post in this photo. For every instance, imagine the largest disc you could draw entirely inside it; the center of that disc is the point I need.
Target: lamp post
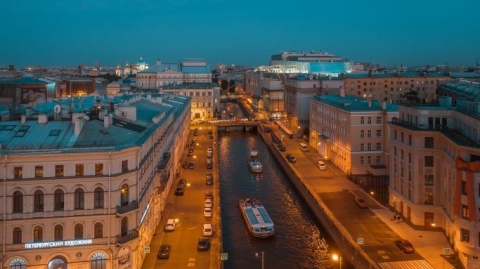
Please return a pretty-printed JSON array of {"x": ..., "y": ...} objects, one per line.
[
  {"x": 338, "y": 258},
  {"x": 263, "y": 258}
]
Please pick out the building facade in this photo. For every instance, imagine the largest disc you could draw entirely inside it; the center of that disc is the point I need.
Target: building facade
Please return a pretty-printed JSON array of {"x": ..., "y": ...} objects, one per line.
[
  {"x": 435, "y": 171},
  {"x": 86, "y": 189}
]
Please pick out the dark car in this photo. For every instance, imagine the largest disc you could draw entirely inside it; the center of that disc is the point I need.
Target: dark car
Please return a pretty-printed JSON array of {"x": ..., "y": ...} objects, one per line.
[
  {"x": 209, "y": 180},
  {"x": 179, "y": 191},
  {"x": 405, "y": 246},
  {"x": 208, "y": 195},
  {"x": 203, "y": 244},
  {"x": 191, "y": 165},
  {"x": 182, "y": 182},
  {"x": 360, "y": 202},
  {"x": 291, "y": 158},
  {"x": 282, "y": 148},
  {"x": 210, "y": 136},
  {"x": 164, "y": 251},
  {"x": 209, "y": 165},
  {"x": 189, "y": 154}
]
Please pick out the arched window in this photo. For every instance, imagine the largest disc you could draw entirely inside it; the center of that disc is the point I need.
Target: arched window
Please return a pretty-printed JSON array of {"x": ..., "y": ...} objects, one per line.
[
  {"x": 18, "y": 202},
  {"x": 124, "y": 195},
  {"x": 38, "y": 201},
  {"x": 98, "y": 261},
  {"x": 98, "y": 230},
  {"x": 17, "y": 264},
  {"x": 98, "y": 198},
  {"x": 17, "y": 235},
  {"x": 79, "y": 199},
  {"x": 78, "y": 231},
  {"x": 59, "y": 200},
  {"x": 124, "y": 226},
  {"x": 58, "y": 233},
  {"x": 38, "y": 234},
  {"x": 57, "y": 263}
]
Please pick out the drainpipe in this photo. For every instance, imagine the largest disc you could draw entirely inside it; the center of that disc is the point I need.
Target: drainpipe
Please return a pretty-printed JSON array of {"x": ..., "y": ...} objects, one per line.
[{"x": 4, "y": 211}]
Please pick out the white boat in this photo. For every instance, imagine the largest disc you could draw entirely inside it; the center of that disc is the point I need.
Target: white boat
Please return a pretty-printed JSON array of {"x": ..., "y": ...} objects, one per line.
[
  {"x": 255, "y": 166},
  {"x": 253, "y": 153},
  {"x": 256, "y": 218}
]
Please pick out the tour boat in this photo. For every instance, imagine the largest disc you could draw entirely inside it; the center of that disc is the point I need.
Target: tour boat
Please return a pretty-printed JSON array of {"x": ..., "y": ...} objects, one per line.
[
  {"x": 254, "y": 153},
  {"x": 255, "y": 166},
  {"x": 256, "y": 218}
]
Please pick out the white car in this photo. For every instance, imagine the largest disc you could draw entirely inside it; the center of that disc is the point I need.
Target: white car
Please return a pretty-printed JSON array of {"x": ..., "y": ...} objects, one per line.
[
  {"x": 207, "y": 229},
  {"x": 209, "y": 150},
  {"x": 207, "y": 212},
  {"x": 208, "y": 203},
  {"x": 170, "y": 225}
]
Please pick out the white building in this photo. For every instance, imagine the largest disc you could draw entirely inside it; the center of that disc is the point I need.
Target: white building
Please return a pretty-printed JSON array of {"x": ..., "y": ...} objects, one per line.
[{"x": 84, "y": 184}]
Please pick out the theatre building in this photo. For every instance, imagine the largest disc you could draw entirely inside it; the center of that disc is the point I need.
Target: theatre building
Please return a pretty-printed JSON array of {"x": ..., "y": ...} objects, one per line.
[{"x": 85, "y": 188}]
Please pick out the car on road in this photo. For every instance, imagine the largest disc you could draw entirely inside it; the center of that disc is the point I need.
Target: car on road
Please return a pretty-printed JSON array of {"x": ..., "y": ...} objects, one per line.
[
  {"x": 209, "y": 165},
  {"x": 405, "y": 246},
  {"x": 209, "y": 154},
  {"x": 291, "y": 158},
  {"x": 210, "y": 136},
  {"x": 207, "y": 229},
  {"x": 182, "y": 182},
  {"x": 170, "y": 225},
  {"x": 164, "y": 251},
  {"x": 207, "y": 212},
  {"x": 191, "y": 165},
  {"x": 208, "y": 203},
  {"x": 179, "y": 191},
  {"x": 321, "y": 165},
  {"x": 209, "y": 180},
  {"x": 203, "y": 244},
  {"x": 210, "y": 149},
  {"x": 189, "y": 154},
  {"x": 209, "y": 195},
  {"x": 360, "y": 202},
  {"x": 282, "y": 148}
]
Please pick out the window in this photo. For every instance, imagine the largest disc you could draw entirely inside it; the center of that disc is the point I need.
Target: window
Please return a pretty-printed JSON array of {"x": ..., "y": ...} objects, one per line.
[
  {"x": 369, "y": 120},
  {"x": 79, "y": 199},
  {"x": 79, "y": 169},
  {"x": 369, "y": 133},
  {"x": 17, "y": 202},
  {"x": 17, "y": 264},
  {"x": 98, "y": 198},
  {"x": 58, "y": 233},
  {"x": 378, "y": 159},
  {"x": 99, "y": 169},
  {"x": 124, "y": 195},
  {"x": 379, "y": 120},
  {"x": 379, "y": 133},
  {"x": 429, "y": 142},
  {"x": 379, "y": 146},
  {"x": 395, "y": 151},
  {"x": 59, "y": 170},
  {"x": 369, "y": 159},
  {"x": 125, "y": 166},
  {"x": 98, "y": 230},
  {"x": 428, "y": 161},
  {"x": 395, "y": 134},
  {"x": 362, "y": 134},
  {"x": 98, "y": 261},
  {"x": 362, "y": 147},
  {"x": 38, "y": 201},
  {"x": 401, "y": 137},
  {"x": 464, "y": 187},
  {"x": 465, "y": 212},
  {"x": 78, "y": 231},
  {"x": 429, "y": 180},
  {"x": 409, "y": 157},
  {"x": 369, "y": 146},
  {"x": 17, "y": 172},
  {"x": 362, "y": 120},
  {"x": 38, "y": 234},
  {"x": 464, "y": 235},
  {"x": 17, "y": 235},
  {"x": 409, "y": 140},
  {"x": 38, "y": 171},
  {"x": 59, "y": 200},
  {"x": 401, "y": 154},
  {"x": 362, "y": 160},
  {"x": 428, "y": 198}
]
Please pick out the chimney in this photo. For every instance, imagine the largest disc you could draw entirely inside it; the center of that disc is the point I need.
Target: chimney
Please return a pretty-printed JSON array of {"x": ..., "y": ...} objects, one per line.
[
  {"x": 78, "y": 125},
  {"x": 42, "y": 118},
  {"x": 107, "y": 120},
  {"x": 369, "y": 103},
  {"x": 23, "y": 119},
  {"x": 342, "y": 91},
  {"x": 384, "y": 105}
]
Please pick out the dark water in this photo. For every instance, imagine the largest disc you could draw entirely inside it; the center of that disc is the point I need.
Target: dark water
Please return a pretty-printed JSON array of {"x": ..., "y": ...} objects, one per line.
[{"x": 296, "y": 242}]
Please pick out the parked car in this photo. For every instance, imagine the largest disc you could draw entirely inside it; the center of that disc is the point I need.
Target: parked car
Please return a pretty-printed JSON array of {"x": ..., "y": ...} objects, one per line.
[
  {"x": 282, "y": 148},
  {"x": 170, "y": 225},
  {"x": 189, "y": 154},
  {"x": 291, "y": 158},
  {"x": 182, "y": 182},
  {"x": 207, "y": 229},
  {"x": 203, "y": 244},
  {"x": 164, "y": 251},
  {"x": 209, "y": 165},
  {"x": 321, "y": 165},
  {"x": 208, "y": 203},
  {"x": 360, "y": 202},
  {"x": 405, "y": 246},
  {"x": 179, "y": 191},
  {"x": 210, "y": 136},
  {"x": 209, "y": 180},
  {"x": 207, "y": 212},
  {"x": 191, "y": 165},
  {"x": 210, "y": 149},
  {"x": 209, "y": 195},
  {"x": 209, "y": 154}
]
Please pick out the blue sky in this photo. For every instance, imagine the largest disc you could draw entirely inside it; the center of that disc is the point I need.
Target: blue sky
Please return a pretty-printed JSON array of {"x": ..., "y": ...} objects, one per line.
[{"x": 63, "y": 33}]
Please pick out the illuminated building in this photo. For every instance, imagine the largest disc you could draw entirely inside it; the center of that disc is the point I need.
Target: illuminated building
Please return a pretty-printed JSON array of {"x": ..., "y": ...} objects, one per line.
[{"x": 84, "y": 185}]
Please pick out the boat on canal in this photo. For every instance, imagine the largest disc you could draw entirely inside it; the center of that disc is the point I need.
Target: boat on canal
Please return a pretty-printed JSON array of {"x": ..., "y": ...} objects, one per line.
[
  {"x": 255, "y": 166},
  {"x": 253, "y": 153},
  {"x": 256, "y": 218}
]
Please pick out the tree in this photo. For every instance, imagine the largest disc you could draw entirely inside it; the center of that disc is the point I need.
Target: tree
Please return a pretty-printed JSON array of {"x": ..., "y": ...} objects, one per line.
[{"x": 411, "y": 97}]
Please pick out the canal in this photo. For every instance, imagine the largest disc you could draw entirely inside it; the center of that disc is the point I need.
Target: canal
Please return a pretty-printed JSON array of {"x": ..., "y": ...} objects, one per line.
[{"x": 297, "y": 242}]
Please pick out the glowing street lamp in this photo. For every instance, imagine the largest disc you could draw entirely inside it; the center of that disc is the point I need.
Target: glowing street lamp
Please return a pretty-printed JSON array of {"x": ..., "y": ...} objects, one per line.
[{"x": 338, "y": 258}]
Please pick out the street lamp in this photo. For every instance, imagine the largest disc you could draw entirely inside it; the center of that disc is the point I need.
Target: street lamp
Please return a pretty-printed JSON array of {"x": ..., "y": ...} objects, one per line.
[
  {"x": 263, "y": 258},
  {"x": 338, "y": 258}
]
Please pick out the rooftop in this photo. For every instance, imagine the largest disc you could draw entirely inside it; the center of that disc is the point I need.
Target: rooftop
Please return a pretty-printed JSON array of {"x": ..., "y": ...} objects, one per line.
[{"x": 354, "y": 104}]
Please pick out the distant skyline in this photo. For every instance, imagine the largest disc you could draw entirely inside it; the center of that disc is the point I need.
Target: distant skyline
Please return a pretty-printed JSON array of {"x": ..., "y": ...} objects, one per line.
[{"x": 54, "y": 33}]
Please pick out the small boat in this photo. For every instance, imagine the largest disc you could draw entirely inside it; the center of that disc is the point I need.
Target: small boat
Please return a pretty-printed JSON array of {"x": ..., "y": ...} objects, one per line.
[
  {"x": 255, "y": 166},
  {"x": 253, "y": 153},
  {"x": 256, "y": 218}
]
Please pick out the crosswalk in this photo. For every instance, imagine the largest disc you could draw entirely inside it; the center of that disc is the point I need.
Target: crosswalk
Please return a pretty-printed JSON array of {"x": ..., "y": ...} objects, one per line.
[{"x": 413, "y": 264}]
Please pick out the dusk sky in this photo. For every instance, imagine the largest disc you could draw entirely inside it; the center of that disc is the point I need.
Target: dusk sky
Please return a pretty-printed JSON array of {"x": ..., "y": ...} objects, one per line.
[{"x": 63, "y": 33}]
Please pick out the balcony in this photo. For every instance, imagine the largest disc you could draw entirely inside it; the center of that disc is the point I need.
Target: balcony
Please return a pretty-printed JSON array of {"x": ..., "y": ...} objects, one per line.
[
  {"x": 131, "y": 235},
  {"x": 122, "y": 210}
]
